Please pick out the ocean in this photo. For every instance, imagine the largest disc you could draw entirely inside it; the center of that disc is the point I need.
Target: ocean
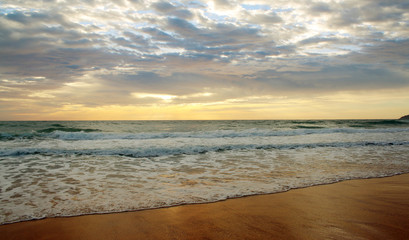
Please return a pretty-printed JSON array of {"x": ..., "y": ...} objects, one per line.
[{"x": 51, "y": 169}]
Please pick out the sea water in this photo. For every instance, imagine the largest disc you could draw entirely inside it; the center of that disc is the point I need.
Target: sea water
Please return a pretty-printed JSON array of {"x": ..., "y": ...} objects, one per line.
[{"x": 50, "y": 169}]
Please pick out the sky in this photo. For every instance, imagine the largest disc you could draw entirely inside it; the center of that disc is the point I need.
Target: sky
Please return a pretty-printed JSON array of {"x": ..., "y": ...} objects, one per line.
[{"x": 220, "y": 59}]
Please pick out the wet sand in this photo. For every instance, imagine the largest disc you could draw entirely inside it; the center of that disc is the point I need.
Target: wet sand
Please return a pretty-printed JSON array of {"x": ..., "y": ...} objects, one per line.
[{"x": 355, "y": 209}]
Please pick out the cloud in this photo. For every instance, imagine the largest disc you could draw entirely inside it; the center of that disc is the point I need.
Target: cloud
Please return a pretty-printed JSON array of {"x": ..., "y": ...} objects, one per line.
[
  {"x": 172, "y": 10},
  {"x": 163, "y": 6},
  {"x": 320, "y": 7},
  {"x": 185, "y": 48},
  {"x": 266, "y": 18},
  {"x": 158, "y": 34},
  {"x": 17, "y": 17},
  {"x": 176, "y": 83},
  {"x": 335, "y": 78},
  {"x": 183, "y": 27}
]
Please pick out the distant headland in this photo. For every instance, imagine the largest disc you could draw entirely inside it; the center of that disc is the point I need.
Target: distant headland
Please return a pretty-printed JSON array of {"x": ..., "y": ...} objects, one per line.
[{"x": 406, "y": 117}]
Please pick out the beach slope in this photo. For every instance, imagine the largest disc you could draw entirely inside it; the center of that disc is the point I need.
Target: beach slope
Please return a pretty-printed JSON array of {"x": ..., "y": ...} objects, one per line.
[{"x": 355, "y": 209}]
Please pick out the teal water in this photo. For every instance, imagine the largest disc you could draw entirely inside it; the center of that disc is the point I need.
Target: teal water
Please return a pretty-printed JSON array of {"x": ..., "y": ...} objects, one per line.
[{"x": 81, "y": 167}]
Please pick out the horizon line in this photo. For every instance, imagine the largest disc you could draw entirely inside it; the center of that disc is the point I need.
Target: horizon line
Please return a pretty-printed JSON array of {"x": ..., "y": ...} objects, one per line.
[{"x": 283, "y": 119}]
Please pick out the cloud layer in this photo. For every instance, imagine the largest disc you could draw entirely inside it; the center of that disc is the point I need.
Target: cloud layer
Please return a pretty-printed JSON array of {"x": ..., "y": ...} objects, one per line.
[{"x": 58, "y": 54}]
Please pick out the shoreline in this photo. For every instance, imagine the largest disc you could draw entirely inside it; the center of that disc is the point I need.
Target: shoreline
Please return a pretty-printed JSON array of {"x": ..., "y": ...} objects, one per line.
[
  {"x": 200, "y": 203},
  {"x": 374, "y": 208}
]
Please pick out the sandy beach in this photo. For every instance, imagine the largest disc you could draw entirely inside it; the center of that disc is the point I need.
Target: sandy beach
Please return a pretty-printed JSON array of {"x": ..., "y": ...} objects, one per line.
[{"x": 355, "y": 209}]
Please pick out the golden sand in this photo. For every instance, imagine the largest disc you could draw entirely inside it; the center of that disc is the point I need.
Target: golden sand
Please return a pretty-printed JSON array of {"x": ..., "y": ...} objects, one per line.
[{"x": 356, "y": 209}]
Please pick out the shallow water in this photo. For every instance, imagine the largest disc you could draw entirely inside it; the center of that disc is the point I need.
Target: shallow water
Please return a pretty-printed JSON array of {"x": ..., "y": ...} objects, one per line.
[{"x": 73, "y": 168}]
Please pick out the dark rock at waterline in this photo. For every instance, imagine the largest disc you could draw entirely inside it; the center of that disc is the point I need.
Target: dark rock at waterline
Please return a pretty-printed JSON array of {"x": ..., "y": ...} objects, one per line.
[{"x": 406, "y": 117}]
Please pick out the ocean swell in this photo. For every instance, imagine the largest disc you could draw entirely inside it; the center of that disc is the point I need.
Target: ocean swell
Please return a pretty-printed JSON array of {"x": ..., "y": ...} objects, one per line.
[
  {"x": 153, "y": 151},
  {"x": 96, "y": 134}
]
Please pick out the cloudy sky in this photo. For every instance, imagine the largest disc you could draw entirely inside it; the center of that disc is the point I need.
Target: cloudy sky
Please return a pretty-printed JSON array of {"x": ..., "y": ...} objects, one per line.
[{"x": 220, "y": 59}]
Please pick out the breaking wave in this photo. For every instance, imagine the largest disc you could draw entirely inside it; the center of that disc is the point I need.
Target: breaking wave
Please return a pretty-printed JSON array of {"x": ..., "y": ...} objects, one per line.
[
  {"x": 95, "y": 134},
  {"x": 152, "y": 151}
]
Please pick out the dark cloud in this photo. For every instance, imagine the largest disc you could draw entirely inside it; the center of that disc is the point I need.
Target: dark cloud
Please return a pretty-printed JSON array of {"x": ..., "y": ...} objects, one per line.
[
  {"x": 79, "y": 43},
  {"x": 62, "y": 65},
  {"x": 158, "y": 34},
  {"x": 320, "y": 7},
  {"x": 391, "y": 53},
  {"x": 183, "y": 27},
  {"x": 133, "y": 41},
  {"x": 17, "y": 16},
  {"x": 347, "y": 17},
  {"x": 172, "y": 10},
  {"x": 333, "y": 78},
  {"x": 266, "y": 18},
  {"x": 36, "y": 18},
  {"x": 220, "y": 33},
  {"x": 363, "y": 12},
  {"x": 183, "y": 13},
  {"x": 374, "y": 13},
  {"x": 163, "y": 7},
  {"x": 400, "y": 4}
]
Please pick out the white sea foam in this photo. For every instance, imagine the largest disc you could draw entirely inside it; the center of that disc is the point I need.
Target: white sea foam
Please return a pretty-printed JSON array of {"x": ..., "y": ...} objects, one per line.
[
  {"x": 215, "y": 134},
  {"x": 78, "y": 134},
  {"x": 151, "y": 147},
  {"x": 38, "y": 186}
]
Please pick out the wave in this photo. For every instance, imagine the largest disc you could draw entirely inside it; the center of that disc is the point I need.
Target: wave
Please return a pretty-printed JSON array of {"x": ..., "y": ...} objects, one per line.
[
  {"x": 13, "y": 136},
  {"x": 217, "y": 134},
  {"x": 377, "y": 123},
  {"x": 66, "y": 129},
  {"x": 96, "y": 134},
  {"x": 151, "y": 151},
  {"x": 308, "y": 127}
]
